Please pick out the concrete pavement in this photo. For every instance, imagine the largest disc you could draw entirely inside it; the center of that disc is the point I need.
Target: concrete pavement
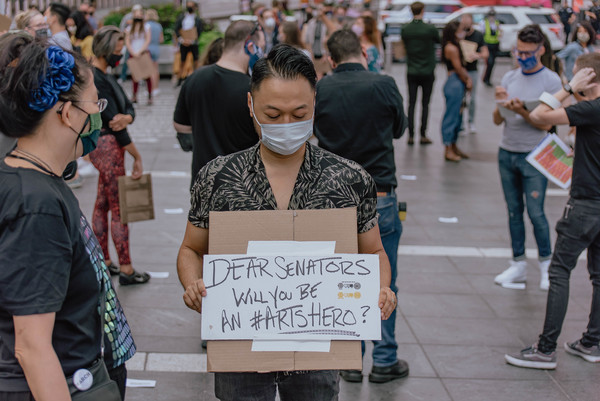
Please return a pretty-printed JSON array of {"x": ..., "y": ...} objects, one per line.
[{"x": 454, "y": 325}]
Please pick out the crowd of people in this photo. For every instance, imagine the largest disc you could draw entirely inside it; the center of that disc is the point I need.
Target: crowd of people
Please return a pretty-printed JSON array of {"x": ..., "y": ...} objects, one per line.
[{"x": 266, "y": 94}]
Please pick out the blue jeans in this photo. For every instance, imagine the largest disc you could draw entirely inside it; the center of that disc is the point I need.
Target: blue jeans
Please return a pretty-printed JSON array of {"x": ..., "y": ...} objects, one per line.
[
  {"x": 523, "y": 184},
  {"x": 454, "y": 91},
  {"x": 123, "y": 65},
  {"x": 474, "y": 79},
  {"x": 317, "y": 385},
  {"x": 390, "y": 228},
  {"x": 578, "y": 229}
]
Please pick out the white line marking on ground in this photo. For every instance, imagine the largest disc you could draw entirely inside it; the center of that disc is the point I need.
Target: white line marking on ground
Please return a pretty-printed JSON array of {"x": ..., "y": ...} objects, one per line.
[
  {"x": 464, "y": 251},
  {"x": 557, "y": 192}
]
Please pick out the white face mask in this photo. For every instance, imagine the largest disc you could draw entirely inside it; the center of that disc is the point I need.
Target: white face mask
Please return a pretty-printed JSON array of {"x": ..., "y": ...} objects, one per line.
[
  {"x": 583, "y": 37},
  {"x": 270, "y": 22},
  {"x": 284, "y": 139}
]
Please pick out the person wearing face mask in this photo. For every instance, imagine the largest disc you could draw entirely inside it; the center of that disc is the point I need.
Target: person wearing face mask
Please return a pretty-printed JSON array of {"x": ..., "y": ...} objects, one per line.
[
  {"x": 269, "y": 26},
  {"x": 490, "y": 27},
  {"x": 211, "y": 107},
  {"x": 282, "y": 172},
  {"x": 109, "y": 158},
  {"x": 56, "y": 17},
  {"x": 53, "y": 271},
  {"x": 33, "y": 22},
  {"x": 348, "y": 128},
  {"x": 582, "y": 42},
  {"x": 579, "y": 226},
  {"x": 191, "y": 23},
  {"x": 365, "y": 27},
  {"x": 522, "y": 184},
  {"x": 82, "y": 34}
]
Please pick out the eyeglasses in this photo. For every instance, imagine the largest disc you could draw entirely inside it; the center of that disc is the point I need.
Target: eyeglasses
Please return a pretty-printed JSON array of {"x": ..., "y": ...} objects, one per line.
[
  {"x": 101, "y": 103},
  {"x": 525, "y": 54}
]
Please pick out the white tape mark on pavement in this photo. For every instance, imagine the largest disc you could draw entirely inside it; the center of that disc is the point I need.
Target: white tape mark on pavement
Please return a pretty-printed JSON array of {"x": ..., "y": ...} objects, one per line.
[
  {"x": 167, "y": 362},
  {"x": 448, "y": 220},
  {"x": 557, "y": 192},
  {"x": 408, "y": 177},
  {"x": 170, "y": 174},
  {"x": 158, "y": 274},
  {"x": 140, "y": 383},
  {"x": 464, "y": 251},
  {"x": 174, "y": 211}
]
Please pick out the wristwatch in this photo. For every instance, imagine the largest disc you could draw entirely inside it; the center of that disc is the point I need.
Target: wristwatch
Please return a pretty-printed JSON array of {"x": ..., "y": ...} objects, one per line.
[{"x": 568, "y": 88}]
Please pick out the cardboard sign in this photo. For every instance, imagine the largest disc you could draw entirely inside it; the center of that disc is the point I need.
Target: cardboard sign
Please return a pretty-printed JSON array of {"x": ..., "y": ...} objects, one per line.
[
  {"x": 189, "y": 35},
  {"x": 291, "y": 297},
  {"x": 469, "y": 50},
  {"x": 141, "y": 67},
  {"x": 5, "y": 23},
  {"x": 135, "y": 199},
  {"x": 230, "y": 232}
]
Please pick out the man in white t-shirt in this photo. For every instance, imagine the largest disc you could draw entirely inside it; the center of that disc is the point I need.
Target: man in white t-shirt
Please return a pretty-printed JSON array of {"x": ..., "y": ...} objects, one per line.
[
  {"x": 56, "y": 16},
  {"x": 522, "y": 184}
]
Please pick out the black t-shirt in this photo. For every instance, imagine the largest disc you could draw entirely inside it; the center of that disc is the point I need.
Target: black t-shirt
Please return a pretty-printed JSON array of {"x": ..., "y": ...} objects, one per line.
[
  {"x": 214, "y": 101},
  {"x": 46, "y": 265},
  {"x": 476, "y": 37},
  {"x": 585, "y": 183}
]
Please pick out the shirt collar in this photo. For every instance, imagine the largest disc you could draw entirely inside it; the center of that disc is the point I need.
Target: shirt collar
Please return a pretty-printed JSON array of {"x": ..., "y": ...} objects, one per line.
[
  {"x": 350, "y": 67},
  {"x": 257, "y": 165}
]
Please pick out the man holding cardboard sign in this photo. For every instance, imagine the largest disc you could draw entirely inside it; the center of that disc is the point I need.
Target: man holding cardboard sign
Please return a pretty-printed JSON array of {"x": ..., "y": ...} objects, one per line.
[{"x": 282, "y": 172}]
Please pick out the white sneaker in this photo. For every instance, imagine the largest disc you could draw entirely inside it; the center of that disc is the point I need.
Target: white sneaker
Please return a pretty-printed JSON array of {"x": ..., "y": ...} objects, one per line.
[
  {"x": 544, "y": 281},
  {"x": 516, "y": 273},
  {"x": 86, "y": 169},
  {"x": 472, "y": 129}
]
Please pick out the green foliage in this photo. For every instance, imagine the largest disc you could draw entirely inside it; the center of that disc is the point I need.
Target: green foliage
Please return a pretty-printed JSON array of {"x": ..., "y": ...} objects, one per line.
[
  {"x": 207, "y": 37},
  {"x": 113, "y": 18}
]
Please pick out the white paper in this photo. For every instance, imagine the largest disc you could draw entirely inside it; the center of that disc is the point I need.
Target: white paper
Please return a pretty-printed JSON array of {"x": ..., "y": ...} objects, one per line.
[
  {"x": 296, "y": 248},
  {"x": 140, "y": 383},
  {"x": 296, "y": 345},
  {"x": 408, "y": 177},
  {"x": 174, "y": 211},
  {"x": 448, "y": 220},
  {"x": 159, "y": 274},
  {"x": 514, "y": 286}
]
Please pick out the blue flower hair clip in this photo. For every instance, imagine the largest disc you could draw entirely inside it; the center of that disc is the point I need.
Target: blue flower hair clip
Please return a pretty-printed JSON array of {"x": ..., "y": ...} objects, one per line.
[{"x": 59, "y": 79}]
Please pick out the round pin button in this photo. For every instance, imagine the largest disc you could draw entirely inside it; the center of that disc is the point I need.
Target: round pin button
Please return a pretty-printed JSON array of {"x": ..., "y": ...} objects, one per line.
[{"x": 83, "y": 379}]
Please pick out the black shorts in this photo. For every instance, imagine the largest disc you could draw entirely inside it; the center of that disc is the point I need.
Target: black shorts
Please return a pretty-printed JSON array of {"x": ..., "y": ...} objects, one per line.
[{"x": 184, "y": 50}]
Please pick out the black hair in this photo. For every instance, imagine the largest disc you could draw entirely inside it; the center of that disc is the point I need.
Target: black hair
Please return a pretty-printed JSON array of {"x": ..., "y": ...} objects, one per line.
[
  {"x": 84, "y": 29},
  {"x": 531, "y": 34},
  {"x": 61, "y": 11},
  {"x": 285, "y": 62},
  {"x": 449, "y": 36},
  {"x": 23, "y": 67},
  {"x": 343, "y": 44}
]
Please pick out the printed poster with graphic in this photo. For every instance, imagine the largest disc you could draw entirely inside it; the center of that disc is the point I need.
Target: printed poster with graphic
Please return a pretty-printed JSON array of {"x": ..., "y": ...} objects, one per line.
[
  {"x": 333, "y": 297},
  {"x": 550, "y": 157}
]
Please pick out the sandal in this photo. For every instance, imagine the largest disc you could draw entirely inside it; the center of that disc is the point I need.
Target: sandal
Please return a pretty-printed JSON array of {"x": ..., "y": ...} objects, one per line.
[
  {"x": 113, "y": 269},
  {"x": 134, "y": 278}
]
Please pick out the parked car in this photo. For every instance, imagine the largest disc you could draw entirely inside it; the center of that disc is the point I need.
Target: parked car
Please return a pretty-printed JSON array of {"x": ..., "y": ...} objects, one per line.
[
  {"x": 395, "y": 13},
  {"x": 512, "y": 19}
]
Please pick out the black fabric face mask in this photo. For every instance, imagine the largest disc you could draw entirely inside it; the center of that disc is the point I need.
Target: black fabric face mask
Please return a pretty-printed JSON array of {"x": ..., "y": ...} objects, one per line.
[
  {"x": 190, "y": 10},
  {"x": 113, "y": 60}
]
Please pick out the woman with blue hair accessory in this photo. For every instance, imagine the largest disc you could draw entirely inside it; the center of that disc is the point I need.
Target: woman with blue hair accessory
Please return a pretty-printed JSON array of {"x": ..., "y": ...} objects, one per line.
[{"x": 57, "y": 305}]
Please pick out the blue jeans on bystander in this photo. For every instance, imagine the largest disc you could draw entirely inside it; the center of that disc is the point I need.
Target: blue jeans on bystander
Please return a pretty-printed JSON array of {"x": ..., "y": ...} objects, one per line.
[{"x": 454, "y": 92}]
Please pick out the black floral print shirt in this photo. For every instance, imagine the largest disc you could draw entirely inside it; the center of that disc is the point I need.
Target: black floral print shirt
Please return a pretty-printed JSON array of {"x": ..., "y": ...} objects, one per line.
[{"x": 325, "y": 181}]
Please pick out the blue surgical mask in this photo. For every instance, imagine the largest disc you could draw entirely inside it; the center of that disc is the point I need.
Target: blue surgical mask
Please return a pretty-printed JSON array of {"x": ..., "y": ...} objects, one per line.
[
  {"x": 284, "y": 139},
  {"x": 529, "y": 63}
]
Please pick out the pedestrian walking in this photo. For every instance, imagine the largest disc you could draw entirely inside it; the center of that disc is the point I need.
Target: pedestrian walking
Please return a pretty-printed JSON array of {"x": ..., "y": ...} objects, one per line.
[
  {"x": 137, "y": 40},
  {"x": 582, "y": 42},
  {"x": 481, "y": 53},
  {"x": 365, "y": 27},
  {"x": 53, "y": 276},
  {"x": 188, "y": 28},
  {"x": 109, "y": 157},
  {"x": 269, "y": 24},
  {"x": 491, "y": 29},
  {"x": 579, "y": 226},
  {"x": 567, "y": 17},
  {"x": 522, "y": 184},
  {"x": 212, "y": 103},
  {"x": 315, "y": 33},
  {"x": 358, "y": 115},
  {"x": 299, "y": 176},
  {"x": 419, "y": 40},
  {"x": 156, "y": 38},
  {"x": 290, "y": 34},
  {"x": 455, "y": 89},
  {"x": 56, "y": 17}
]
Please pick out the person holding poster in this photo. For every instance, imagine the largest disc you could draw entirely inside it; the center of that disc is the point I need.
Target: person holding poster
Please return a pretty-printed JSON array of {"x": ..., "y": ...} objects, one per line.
[
  {"x": 283, "y": 171},
  {"x": 579, "y": 227},
  {"x": 522, "y": 184},
  {"x": 347, "y": 128}
]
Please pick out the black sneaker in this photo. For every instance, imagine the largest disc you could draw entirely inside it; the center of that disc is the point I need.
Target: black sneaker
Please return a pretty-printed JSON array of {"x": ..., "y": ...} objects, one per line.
[
  {"x": 134, "y": 278},
  {"x": 113, "y": 269},
  {"x": 352, "y": 376},
  {"x": 385, "y": 374}
]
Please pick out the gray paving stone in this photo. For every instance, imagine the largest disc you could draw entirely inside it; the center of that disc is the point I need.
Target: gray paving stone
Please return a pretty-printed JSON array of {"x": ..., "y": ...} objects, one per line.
[{"x": 501, "y": 390}]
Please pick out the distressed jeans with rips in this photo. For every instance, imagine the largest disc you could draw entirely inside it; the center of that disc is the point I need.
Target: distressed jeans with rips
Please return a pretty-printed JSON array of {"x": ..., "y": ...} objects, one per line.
[
  {"x": 390, "y": 229},
  {"x": 524, "y": 185},
  {"x": 578, "y": 229},
  {"x": 317, "y": 385}
]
